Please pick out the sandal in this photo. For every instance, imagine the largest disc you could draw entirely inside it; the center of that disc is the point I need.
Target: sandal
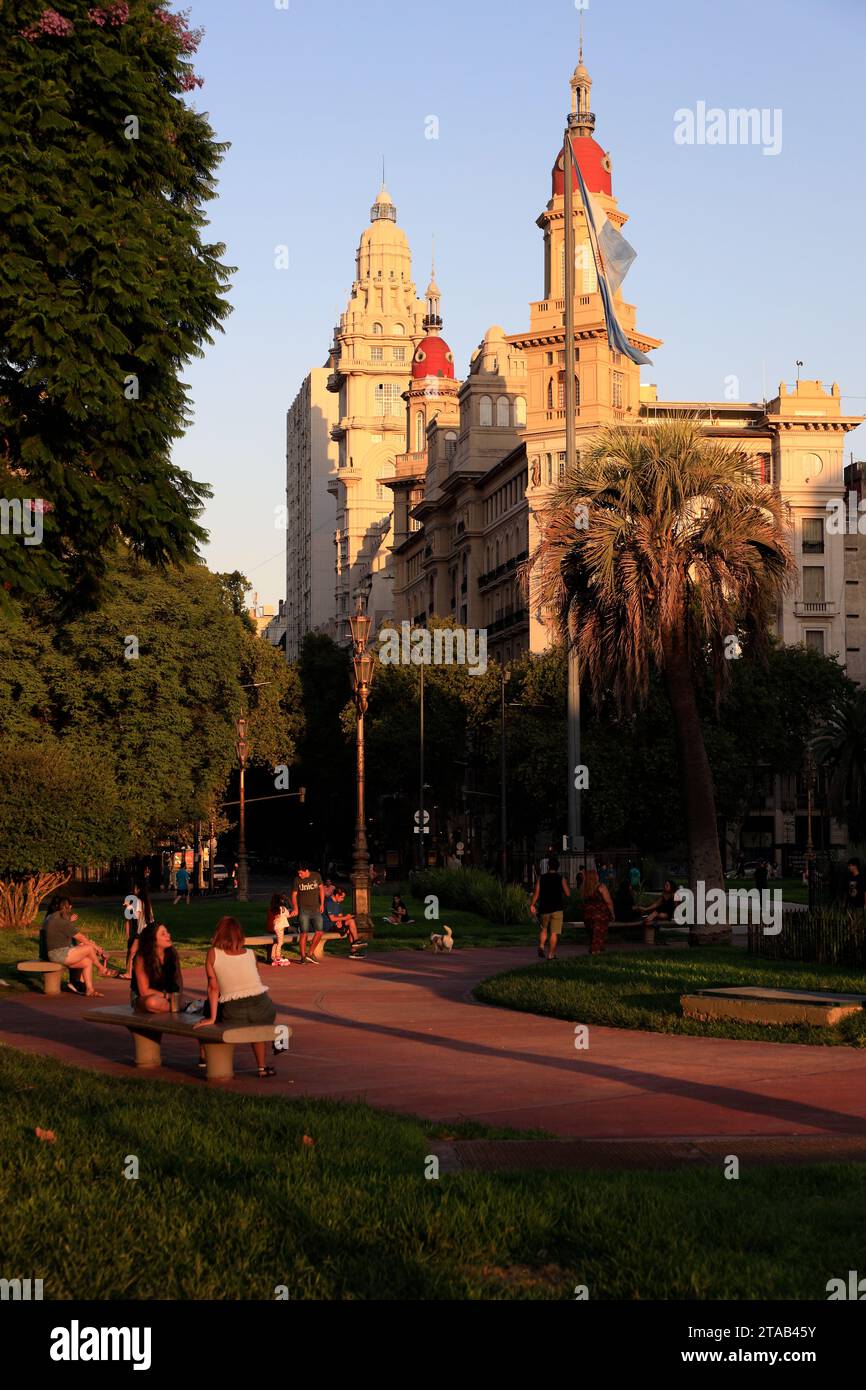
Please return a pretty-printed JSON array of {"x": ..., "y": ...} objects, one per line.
[{"x": 266, "y": 1071}]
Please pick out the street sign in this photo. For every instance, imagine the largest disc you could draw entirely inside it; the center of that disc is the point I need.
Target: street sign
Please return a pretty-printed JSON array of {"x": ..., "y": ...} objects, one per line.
[
  {"x": 419, "y": 830},
  {"x": 418, "y": 815},
  {"x": 459, "y": 848}
]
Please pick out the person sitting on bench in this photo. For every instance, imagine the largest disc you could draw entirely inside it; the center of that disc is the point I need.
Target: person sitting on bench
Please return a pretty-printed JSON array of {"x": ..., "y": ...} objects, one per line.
[
  {"x": 156, "y": 973},
  {"x": 662, "y": 910},
  {"x": 64, "y": 945},
  {"x": 336, "y": 920},
  {"x": 235, "y": 993}
]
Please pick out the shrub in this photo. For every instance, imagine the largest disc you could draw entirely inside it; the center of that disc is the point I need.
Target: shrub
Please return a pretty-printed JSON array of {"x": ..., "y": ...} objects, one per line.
[
  {"x": 827, "y": 936},
  {"x": 472, "y": 890}
]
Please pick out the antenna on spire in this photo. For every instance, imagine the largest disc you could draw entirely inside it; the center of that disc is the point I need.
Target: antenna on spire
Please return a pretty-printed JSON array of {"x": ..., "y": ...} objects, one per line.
[
  {"x": 433, "y": 256},
  {"x": 383, "y": 171},
  {"x": 581, "y": 35}
]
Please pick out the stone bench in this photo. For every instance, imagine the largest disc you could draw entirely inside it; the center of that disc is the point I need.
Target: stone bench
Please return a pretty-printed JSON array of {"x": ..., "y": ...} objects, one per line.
[
  {"x": 219, "y": 1041},
  {"x": 752, "y": 1004},
  {"x": 648, "y": 931},
  {"x": 49, "y": 972},
  {"x": 268, "y": 939}
]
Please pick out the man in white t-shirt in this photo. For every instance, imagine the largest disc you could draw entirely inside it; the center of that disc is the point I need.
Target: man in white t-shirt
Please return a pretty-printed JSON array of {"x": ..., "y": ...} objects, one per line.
[{"x": 133, "y": 921}]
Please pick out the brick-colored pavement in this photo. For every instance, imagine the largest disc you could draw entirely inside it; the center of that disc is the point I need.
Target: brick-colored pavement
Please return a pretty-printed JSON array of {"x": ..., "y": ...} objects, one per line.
[{"x": 401, "y": 1031}]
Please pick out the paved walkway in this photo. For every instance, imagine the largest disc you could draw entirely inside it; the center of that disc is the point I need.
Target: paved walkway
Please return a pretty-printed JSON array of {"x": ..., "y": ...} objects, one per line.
[{"x": 401, "y": 1031}]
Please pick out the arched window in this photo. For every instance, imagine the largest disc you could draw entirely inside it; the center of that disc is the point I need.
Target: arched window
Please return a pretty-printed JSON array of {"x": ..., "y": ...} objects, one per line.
[
  {"x": 503, "y": 412},
  {"x": 486, "y": 413},
  {"x": 377, "y": 330},
  {"x": 399, "y": 330},
  {"x": 420, "y": 436},
  {"x": 497, "y": 553},
  {"x": 550, "y": 394},
  {"x": 549, "y": 463},
  {"x": 520, "y": 412},
  {"x": 450, "y": 444}
]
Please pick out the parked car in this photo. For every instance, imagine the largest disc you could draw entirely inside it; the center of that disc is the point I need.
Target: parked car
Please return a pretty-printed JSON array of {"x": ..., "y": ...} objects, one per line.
[{"x": 221, "y": 875}]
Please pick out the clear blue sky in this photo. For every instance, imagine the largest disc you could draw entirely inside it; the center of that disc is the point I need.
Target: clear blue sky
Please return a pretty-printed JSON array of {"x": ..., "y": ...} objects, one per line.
[{"x": 744, "y": 260}]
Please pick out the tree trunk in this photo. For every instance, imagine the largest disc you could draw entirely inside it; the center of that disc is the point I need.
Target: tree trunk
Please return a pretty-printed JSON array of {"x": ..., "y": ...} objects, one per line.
[
  {"x": 699, "y": 798},
  {"x": 19, "y": 901}
]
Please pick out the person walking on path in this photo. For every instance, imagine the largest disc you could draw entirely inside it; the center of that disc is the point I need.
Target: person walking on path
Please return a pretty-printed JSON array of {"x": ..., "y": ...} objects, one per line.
[
  {"x": 548, "y": 905},
  {"x": 597, "y": 911},
  {"x": 183, "y": 884},
  {"x": 235, "y": 993},
  {"x": 308, "y": 902}
]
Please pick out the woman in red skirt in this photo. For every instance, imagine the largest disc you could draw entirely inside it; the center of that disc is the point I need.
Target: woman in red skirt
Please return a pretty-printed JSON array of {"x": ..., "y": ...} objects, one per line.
[{"x": 597, "y": 911}]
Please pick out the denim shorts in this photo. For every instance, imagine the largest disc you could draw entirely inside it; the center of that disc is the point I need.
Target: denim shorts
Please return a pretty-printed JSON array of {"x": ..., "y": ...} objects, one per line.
[
  {"x": 248, "y": 1012},
  {"x": 59, "y": 955},
  {"x": 309, "y": 922}
]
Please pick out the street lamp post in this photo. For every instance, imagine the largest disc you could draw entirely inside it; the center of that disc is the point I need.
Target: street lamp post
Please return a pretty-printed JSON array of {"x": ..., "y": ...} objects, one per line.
[
  {"x": 243, "y": 753},
  {"x": 363, "y": 669}
]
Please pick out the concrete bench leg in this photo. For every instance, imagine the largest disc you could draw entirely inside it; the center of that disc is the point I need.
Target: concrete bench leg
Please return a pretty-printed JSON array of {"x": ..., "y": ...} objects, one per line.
[
  {"x": 148, "y": 1051},
  {"x": 51, "y": 981},
  {"x": 220, "y": 1059}
]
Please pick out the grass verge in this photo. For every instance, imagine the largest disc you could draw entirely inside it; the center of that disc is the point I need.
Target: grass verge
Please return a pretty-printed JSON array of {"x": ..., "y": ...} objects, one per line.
[
  {"x": 231, "y": 1203},
  {"x": 642, "y": 990}
]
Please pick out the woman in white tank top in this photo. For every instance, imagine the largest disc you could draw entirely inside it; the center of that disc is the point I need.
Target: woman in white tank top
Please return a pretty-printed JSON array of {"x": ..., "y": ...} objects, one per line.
[{"x": 235, "y": 992}]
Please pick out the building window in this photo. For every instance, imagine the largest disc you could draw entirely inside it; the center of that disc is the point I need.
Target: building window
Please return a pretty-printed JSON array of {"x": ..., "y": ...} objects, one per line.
[
  {"x": 550, "y": 394},
  {"x": 399, "y": 330},
  {"x": 561, "y": 467},
  {"x": 387, "y": 398},
  {"x": 486, "y": 412},
  {"x": 377, "y": 354},
  {"x": 377, "y": 330},
  {"x": 419, "y": 432},
  {"x": 520, "y": 412},
  {"x": 503, "y": 412},
  {"x": 399, "y": 354},
  {"x": 815, "y": 641},
  {"x": 549, "y": 462},
  {"x": 616, "y": 391},
  {"x": 813, "y": 535},
  {"x": 450, "y": 444},
  {"x": 813, "y": 583}
]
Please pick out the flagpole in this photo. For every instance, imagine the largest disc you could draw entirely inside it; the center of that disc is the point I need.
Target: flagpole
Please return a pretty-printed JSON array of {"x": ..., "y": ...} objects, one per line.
[{"x": 575, "y": 837}]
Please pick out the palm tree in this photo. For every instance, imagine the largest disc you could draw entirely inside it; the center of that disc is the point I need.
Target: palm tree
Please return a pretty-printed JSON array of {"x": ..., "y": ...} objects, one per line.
[
  {"x": 841, "y": 747},
  {"x": 663, "y": 551}
]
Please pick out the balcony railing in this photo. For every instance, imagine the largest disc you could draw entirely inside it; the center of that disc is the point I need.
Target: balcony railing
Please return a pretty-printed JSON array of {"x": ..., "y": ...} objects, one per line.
[
  {"x": 508, "y": 567},
  {"x": 809, "y": 608},
  {"x": 512, "y": 619}
]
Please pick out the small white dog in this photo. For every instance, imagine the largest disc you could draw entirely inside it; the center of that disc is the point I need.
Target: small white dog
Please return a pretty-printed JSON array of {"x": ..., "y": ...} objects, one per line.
[{"x": 443, "y": 942}]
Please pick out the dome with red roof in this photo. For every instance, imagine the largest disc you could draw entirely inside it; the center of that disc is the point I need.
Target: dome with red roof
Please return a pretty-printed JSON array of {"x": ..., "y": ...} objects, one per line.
[
  {"x": 594, "y": 165},
  {"x": 433, "y": 357}
]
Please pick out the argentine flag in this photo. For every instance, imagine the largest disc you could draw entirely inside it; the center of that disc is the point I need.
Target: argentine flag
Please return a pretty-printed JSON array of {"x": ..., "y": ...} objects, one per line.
[{"x": 613, "y": 257}]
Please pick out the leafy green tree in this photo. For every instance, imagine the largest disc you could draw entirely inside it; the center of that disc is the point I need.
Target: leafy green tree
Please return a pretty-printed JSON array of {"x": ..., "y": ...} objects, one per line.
[
  {"x": 155, "y": 680},
  {"x": 841, "y": 746},
  {"x": 108, "y": 284},
  {"x": 59, "y": 806},
  {"x": 683, "y": 552}
]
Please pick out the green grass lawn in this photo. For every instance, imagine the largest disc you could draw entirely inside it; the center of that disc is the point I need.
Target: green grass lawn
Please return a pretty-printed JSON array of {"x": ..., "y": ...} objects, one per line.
[
  {"x": 230, "y": 1203},
  {"x": 628, "y": 990}
]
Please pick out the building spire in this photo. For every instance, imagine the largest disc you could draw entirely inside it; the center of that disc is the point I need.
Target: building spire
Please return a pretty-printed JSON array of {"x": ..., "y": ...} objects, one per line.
[
  {"x": 581, "y": 119},
  {"x": 433, "y": 317}
]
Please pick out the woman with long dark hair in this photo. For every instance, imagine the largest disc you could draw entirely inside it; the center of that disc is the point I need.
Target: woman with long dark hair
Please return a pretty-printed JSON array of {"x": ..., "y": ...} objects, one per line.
[
  {"x": 278, "y": 923},
  {"x": 597, "y": 911},
  {"x": 156, "y": 974}
]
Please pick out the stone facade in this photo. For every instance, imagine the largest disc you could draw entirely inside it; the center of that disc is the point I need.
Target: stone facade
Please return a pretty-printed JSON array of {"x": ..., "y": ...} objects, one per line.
[{"x": 311, "y": 457}]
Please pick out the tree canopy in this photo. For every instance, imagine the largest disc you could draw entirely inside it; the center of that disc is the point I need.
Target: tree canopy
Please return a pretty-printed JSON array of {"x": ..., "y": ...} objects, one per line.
[{"x": 108, "y": 285}]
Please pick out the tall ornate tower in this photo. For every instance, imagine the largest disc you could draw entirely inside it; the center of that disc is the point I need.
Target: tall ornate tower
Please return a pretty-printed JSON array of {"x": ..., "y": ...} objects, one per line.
[
  {"x": 432, "y": 426},
  {"x": 608, "y": 383},
  {"x": 371, "y": 359}
]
